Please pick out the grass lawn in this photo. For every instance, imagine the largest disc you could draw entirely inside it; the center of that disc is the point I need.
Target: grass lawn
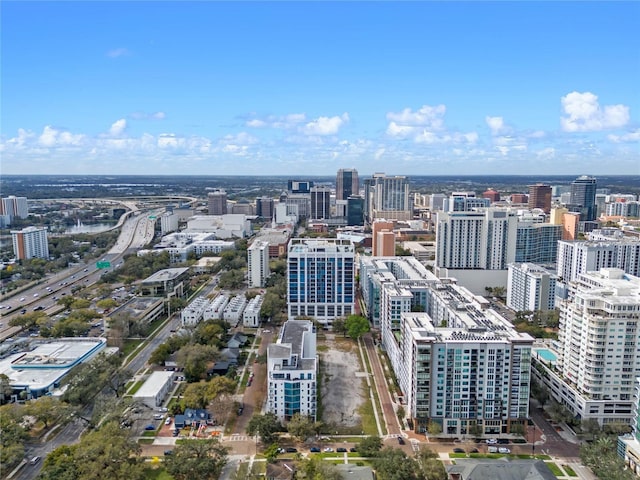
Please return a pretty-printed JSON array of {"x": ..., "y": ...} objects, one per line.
[
  {"x": 135, "y": 387},
  {"x": 570, "y": 471},
  {"x": 157, "y": 473},
  {"x": 146, "y": 441},
  {"x": 556, "y": 470}
]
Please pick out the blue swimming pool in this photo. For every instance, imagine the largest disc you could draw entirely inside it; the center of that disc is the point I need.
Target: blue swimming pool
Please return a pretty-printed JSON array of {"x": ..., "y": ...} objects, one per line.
[{"x": 546, "y": 355}]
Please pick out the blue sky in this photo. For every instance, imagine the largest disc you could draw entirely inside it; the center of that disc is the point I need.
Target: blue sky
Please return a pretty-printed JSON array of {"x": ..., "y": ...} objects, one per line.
[{"x": 232, "y": 88}]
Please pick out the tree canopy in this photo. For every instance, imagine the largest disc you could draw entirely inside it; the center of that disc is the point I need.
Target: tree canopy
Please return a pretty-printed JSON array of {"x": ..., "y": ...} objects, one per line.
[{"x": 201, "y": 459}]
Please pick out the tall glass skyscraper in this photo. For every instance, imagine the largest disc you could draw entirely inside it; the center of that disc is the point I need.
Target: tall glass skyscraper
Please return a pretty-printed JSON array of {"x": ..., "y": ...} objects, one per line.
[
  {"x": 346, "y": 183},
  {"x": 583, "y": 198}
]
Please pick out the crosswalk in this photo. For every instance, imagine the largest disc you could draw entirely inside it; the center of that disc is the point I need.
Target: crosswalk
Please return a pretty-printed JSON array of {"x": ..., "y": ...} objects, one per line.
[{"x": 236, "y": 437}]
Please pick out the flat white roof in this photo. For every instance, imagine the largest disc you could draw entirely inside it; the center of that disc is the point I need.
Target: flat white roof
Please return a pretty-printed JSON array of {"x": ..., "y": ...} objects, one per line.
[{"x": 153, "y": 384}]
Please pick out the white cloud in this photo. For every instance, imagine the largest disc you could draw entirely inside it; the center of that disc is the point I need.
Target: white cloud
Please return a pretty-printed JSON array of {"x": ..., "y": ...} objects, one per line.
[
  {"x": 426, "y": 116},
  {"x": 118, "y": 52},
  {"x": 400, "y": 131},
  {"x": 148, "y": 116},
  {"x": 583, "y": 113},
  {"x": 284, "y": 122},
  {"x": 325, "y": 125},
  {"x": 118, "y": 127},
  {"x": 496, "y": 124},
  {"x": 52, "y": 137},
  {"x": 633, "y": 136}
]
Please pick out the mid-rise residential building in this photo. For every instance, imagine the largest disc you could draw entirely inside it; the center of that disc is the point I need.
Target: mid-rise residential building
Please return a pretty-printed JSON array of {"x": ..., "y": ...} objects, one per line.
[
  {"x": 215, "y": 309},
  {"x": 321, "y": 278},
  {"x": 530, "y": 287},
  {"x": 258, "y": 263},
  {"x": 387, "y": 197},
  {"x": 234, "y": 309},
  {"x": 251, "y": 314},
  {"x": 217, "y": 202},
  {"x": 292, "y": 367},
  {"x": 540, "y": 197},
  {"x": 155, "y": 388},
  {"x": 599, "y": 341},
  {"x": 465, "y": 202},
  {"x": 576, "y": 257},
  {"x": 168, "y": 222},
  {"x": 30, "y": 242},
  {"x": 193, "y": 313},
  {"x": 623, "y": 209},
  {"x": 347, "y": 183}
]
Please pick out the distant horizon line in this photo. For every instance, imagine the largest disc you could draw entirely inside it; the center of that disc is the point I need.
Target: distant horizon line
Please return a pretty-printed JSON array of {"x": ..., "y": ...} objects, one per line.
[{"x": 311, "y": 176}]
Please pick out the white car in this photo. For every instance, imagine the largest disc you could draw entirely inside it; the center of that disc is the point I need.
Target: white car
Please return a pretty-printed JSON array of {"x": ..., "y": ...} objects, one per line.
[
  {"x": 328, "y": 449},
  {"x": 504, "y": 450},
  {"x": 167, "y": 421},
  {"x": 491, "y": 441}
]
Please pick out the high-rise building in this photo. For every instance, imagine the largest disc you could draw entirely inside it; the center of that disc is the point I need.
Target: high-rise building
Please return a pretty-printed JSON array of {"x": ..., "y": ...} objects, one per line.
[
  {"x": 577, "y": 257},
  {"x": 14, "y": 207},
  {"x": 292, "y": 370},
  {"x": 476, "y": 247},
  {"x": 540, "y": 197},
  {"x": 457, "y": 363},
  {"x": 387, "y": 197},
  {"x": 321, "y": 278},
  {"x": 299, "y": 186},
  {"x": 599, "y": 338},
  {"x": 583, "y": 198},
  {"x": 347, "y": 183},
  {"x": 265, "y": 207},
  {"x": 30, "y": 242},
  {"x": 320, "y": 203},
  {"x": 385, "y": 244},
  {"x": 519, "y": 198},
  {"x": 217, "y": 202},
  {"x": 465, "y": 202},
  {"x": 377, "y": 226},
  {"x": 258, "y": 263},
  {"x": 355, "y": 211},
  {"x": 530, "y": 287},
  {"x": 537, "y": 242}
]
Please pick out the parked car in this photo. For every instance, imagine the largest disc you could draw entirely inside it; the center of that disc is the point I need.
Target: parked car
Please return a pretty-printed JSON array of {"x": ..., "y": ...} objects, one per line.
[
  {"x": 503, "y": 441},
  {"x": 400, "y": 440},
  {"x": 314, "y": 450},
  {"x": 168, "y": 452},
  {"x": 491, "y": 441},
  {"x": 475, "y": 450},
  {"x": 353, "y": 449},
  {"x": 341, "y": 450},
  {"x": 493, "y": 449},
  {"x": 291, "y": 450},
  {"x": 176, "y": 432},
  {"x": 167, "y": 421},
  {"x": 158, "y": 416},
  {"x": 504, "y": 450},
  {"x": 458, "y": 450},
  {"x": 328, "y": 449},
  {"x": 150, "y": 427}
]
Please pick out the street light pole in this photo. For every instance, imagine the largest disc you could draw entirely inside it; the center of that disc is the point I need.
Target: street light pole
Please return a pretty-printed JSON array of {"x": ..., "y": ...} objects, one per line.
[{"x": 533, "y": 443}]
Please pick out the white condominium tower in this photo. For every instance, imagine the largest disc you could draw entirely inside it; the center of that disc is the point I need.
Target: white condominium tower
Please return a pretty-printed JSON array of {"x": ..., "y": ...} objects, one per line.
[
  {"x": 321, "y": 278},
  {"x": 258, "y": 263},
  {"x": 599, "y": 339},
  {"x": 387, "y": 197},
  {"x": 292, "y": 370},
  {"x": 576, "y": 257},
  {"x": 30, "y": 242}
]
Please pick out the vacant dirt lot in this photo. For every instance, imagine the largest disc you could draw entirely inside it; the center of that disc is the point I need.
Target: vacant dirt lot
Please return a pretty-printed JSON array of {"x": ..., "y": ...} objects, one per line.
[{"x": 342, "y": 382}]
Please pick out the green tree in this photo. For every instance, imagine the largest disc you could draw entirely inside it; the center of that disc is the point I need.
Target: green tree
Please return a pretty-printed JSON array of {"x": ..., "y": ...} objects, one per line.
[
  {"x": 339, "y": 325},
  {"x": 356, "y": 326},
  {"x": 60, "y": 464},
  {"x": 202, "y": 459},
  {"x": 5, "y": 388},
  {"x": 316, "y": 469},
  {"x": 300, "y": 426},
  {"x": 47, "y": 410},
  {"x": 430, "y": 464},
  {"x": 160, "y": 354},
  {"x": 393, "y": 464},
  {"x": 106, "y": 304},
  {"x": 370, "y": 446},
  {"x": 196, "y": 395},
  {"x": 266, "y": 426},
  {"x": 434, "y": 428},
  {"x": 13, "y": 433},
  {"x": 271, "y": 453},
  {"x": 195, "y": 359}
]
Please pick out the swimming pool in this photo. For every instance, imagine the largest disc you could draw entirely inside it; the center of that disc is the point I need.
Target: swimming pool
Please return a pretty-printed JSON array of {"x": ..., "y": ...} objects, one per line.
[{"x": 546, "y": 355}]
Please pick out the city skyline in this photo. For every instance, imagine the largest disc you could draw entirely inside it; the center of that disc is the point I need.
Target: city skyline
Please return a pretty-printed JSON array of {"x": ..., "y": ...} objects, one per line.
[{"x": 307, "y": 88}]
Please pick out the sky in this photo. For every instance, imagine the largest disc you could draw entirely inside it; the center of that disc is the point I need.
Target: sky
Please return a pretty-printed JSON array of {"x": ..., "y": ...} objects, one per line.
[{"x": 306, "y": 88}]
